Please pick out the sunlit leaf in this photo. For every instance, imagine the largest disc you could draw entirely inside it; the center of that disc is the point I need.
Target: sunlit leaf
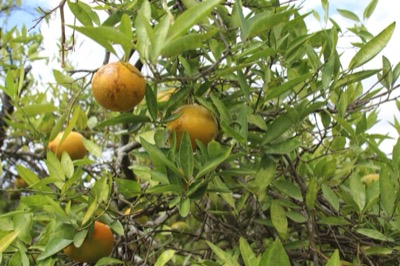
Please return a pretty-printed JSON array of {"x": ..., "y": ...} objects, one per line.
[{"x": 372, "y": 48}]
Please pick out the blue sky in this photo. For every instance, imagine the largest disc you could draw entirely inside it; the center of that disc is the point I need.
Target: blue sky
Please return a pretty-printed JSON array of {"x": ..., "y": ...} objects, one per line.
[{"x": 25, "y": 15}]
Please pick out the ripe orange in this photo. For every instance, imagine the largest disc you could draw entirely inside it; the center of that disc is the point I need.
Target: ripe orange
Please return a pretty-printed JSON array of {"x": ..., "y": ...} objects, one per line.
[
  {"x": 118, "y": 86},
  {"x": 99, "y": 245},
  {"x": 72, "y": 145},
  {"x": 197, "y": 121}
]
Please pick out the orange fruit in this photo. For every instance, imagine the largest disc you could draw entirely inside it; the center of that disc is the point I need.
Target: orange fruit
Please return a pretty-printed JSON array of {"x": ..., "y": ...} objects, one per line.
[
  {"x": 100, "y": 244},
  {"x": 72, "y": 145},
  {"x": 118, "y": 86},
  {"x": 197, "y": 121},
  {"x": 20, "y": 183}
]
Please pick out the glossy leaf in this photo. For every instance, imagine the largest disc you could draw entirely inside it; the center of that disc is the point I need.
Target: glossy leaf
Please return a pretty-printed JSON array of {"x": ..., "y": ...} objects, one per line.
[
  {"x": 334, "y": 260},
  {"x": 374, "y": 234},
  {"x": 275, "y": 255},
  {"x": 187, "y": 42},
  {"x": 105, "y": 36},
  {"x": 312, "y": 193},
  {"x": 186, "y": 155},
  {"x": 278, "y": 127},
  {"x": 387, "y": 191},
  {"x": 124, "y": 118},
  {"x": 348, "y": 14},
  {"x": 224, "y": 257},
  {"x": 128, "y": 188},
  {"x": 278, "y": 218},
  {"x": 264, "y": 21},
  {"x": 357, "y": 191},
  {"x": 370, "y": 9},
  {"x": 166, "y": 256},
  {"x": 372, "y": 48},
  {"x": 247, "y": 253},
  {"x": 8, "y": 239},
  {"x": 190, "y": 17}
]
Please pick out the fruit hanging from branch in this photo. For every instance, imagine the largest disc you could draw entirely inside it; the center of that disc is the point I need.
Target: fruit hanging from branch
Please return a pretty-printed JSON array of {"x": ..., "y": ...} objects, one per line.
[{"x": 118, "y": 86}]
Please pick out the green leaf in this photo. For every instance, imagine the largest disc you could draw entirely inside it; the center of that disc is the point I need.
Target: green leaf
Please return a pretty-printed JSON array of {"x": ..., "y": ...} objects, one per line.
[
  {"x": 67, "y": 165},
  {"x": 348, "y": 14},
  {"x": 285, "y": 87},
  {"x": 226, "y": 193},
  {"x": 222, "y": 110},
  {"x": 160, "y": 36},
  {"x": 27, "y": 175},
  {"x": 165, "y": 188},
  {"x": 330, "y": 196},
  {"x": 37, "y": 109},
  {"x": 212, "y": 164},
  {"x": 151, "y": 102},
  {"x": 101, "y": 189},
  {"x": 289, "y": 189},
  {"x": 184, "y": 207},
  {"x": 80, "y": 13},
  {"x": 247, "y": 253},
  {"x": 265, "y": 21},
  {"x": 105, "y": 36},
  {"x": 54, "y": 245},
  {"x": 283, "y": 147},
  {"x": 387, "y": 191},
  {"x": 225, "y": 257},
  {"x": 275, "y": 255},
  {"x": 370, "y": 9},
  {"x": 372, "y": 48},
  {"x": 334, "y": 260},
  {"x": 90, "y": 211},
  {"x": 166, "y": 256},
  {"x": 277, "y": 128},
  {"x": 312, "y": 193},
  {"x": 124, "y": 118},
  {"x": 186, "y": 155},
  {"x": 11, "y": 87},
  {"x": 244, "y": 24},
  {"x": 144, "y": 31},
  {"x": 157, "y": 154},
  {"x": 128, "y": 188},
  {"x": 374, "y": 234},
  {"x": 190, "y": 17},
  {"x": 185, "y": 43},
  {"x": 8, "y": 239},
  {"x": 354, "y": 77},
  {"x": 126, "y": 28},
  {"x": 92, "y": 147},
  {"x": 278, "y": 218},
  {"x": 357, "y": 191},
  {"x": 264, "y": 175}
]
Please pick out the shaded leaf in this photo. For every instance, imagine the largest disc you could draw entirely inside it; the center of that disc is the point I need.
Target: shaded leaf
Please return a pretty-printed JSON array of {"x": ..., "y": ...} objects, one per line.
[{"x": 278, "y": 218}]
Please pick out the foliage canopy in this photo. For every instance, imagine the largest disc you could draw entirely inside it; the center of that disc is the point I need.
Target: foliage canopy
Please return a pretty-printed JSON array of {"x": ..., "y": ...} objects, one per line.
[{"x": 280, "y": 185}]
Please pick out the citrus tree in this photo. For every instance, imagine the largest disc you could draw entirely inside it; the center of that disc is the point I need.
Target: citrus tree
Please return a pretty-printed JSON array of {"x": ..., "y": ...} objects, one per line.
[{"x": 216, "y": 133}]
